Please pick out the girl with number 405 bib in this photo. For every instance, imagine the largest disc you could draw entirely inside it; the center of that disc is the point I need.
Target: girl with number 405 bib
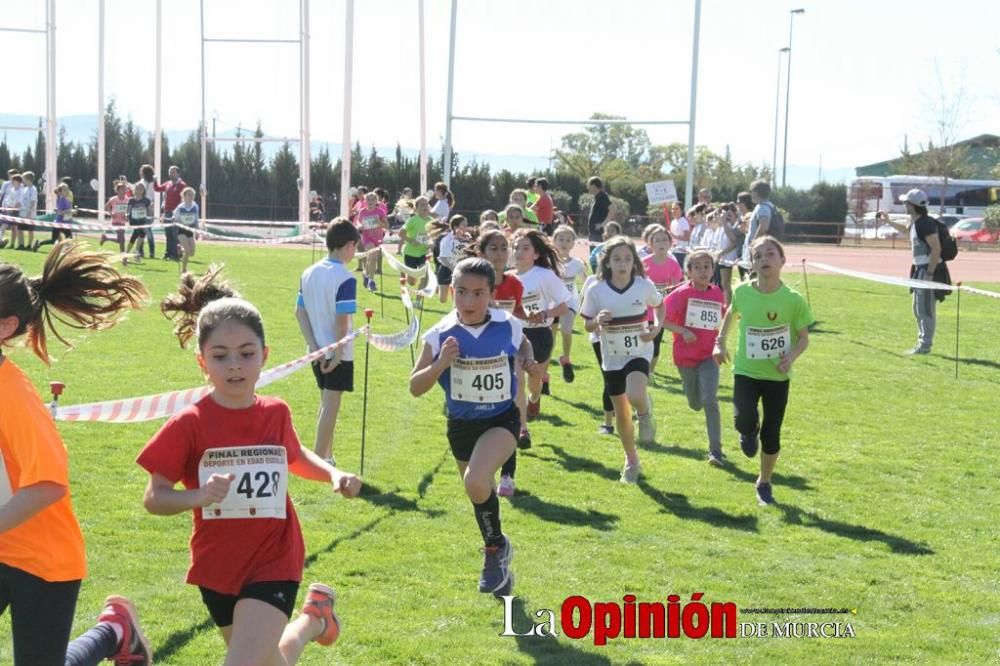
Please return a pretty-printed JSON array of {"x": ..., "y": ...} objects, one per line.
[
  {"x": 773, "y": 333},
  {"x": 232, "y": 451}
]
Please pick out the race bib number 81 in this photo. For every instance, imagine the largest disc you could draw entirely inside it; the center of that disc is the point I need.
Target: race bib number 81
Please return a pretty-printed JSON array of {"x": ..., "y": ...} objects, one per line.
[
  {"x": 482, "y": 380},
  {"x": 706, "y": 315},
  {"x": 624, "y": 340},
  {"x": 261, "y": 483},
  {"x": 764, "y": 343}
]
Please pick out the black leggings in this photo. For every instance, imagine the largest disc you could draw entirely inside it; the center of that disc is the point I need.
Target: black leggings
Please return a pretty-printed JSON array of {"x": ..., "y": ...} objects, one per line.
[
  {"x": 747, "y": 392},
  {"x": 605, "y": 396},
  {"x": 41, "y": 616}
]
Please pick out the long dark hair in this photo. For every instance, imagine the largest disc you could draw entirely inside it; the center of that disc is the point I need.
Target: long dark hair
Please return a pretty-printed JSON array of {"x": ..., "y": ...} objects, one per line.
[
  {"x": 604, "y": 263},
  {"x": 78, "y": 288},
  {"x": 201, "y": 304},
  {"x": 547, "y": 257}
]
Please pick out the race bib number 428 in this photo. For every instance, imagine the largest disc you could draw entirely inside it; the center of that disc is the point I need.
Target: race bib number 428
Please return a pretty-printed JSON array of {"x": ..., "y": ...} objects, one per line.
[
  {"x": 260, "y": 486},
  {"x": 481, "y": 380},
  {"x": 764, "y": 343}
]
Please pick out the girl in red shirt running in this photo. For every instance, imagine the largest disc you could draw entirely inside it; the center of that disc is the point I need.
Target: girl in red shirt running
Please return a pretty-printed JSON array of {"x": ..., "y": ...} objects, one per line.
[{"x": 233, "y": 451}]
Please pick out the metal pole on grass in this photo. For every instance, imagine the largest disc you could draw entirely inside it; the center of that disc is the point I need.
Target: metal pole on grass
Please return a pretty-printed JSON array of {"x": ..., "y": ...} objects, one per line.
[
  {"x": 57, "y": 389},
  {"x": 805, "y": 277},
  {"x": 406, "y": 310},
  {"x": 364, "y": 402},
  {"x": 958, "y": 319}
]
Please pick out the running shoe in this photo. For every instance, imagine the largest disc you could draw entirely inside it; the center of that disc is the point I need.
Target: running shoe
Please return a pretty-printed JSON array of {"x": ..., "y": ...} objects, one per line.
[
  {"x": 104, "y": 239},
  {"x": 545, "y": 385},
  {"x": 630, "y": 473},
  {"x": 606, "y": 430},
  {"x": 716, "y": 458},
  {"x": 506, "y": 487},
  {"x": 765, "y": 495},
  {"x": 3, "y": 243},
  {"x": 524, "y": 439},
  {"x": 749, "y": 444},
  {"x": 372, "y": 287},
  {"x": 567, "y": 370},
  {"x": 534, "y": 409},
  {"x": 35, "y": 245},
  {"x": 647, "y": 429},
  {"x": 319, "y": 604},
  {"x": 134, "y": 649},
  {"x": 496, "y": 567},
  {"x": 918, "y": 351}
]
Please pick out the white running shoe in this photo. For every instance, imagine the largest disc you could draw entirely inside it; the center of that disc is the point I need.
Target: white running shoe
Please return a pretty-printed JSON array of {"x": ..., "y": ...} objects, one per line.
[
  {"x": 506, "y": 487},
  {"x": 630, "y": 473},
  {"x": 647, "y": 429}
]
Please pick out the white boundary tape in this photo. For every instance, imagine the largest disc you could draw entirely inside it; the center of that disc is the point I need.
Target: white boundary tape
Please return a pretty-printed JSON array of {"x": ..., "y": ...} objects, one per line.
[{"x": 902, "y": 282}]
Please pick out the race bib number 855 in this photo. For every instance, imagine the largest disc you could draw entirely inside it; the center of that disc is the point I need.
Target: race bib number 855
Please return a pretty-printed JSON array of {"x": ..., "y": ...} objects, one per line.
[
  {"x": 261, "y": 483},
  {"x": 706, "y": 315},
  {"x": 768, "y": 342}
]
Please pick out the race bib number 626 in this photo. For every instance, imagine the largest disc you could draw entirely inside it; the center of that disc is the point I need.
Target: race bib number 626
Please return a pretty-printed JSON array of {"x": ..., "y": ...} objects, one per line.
[
  {"x": 764, "y": 343},
  {"x": 260, "y": 486}
]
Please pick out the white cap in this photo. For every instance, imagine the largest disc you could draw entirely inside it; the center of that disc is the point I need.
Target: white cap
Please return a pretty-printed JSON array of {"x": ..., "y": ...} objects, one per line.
[{"x": 915, "y": 197}]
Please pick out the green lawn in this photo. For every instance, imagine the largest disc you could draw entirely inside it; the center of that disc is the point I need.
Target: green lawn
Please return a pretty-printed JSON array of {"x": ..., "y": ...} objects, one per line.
[{"x": 887, "y": 491}]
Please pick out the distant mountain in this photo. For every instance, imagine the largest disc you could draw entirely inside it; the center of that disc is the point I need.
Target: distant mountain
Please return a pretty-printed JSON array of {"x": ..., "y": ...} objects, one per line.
[{"x": 83, "y": 129}]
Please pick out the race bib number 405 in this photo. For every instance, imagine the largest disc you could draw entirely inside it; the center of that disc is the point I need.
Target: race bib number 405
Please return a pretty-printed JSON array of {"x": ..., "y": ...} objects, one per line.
[
  {"x": 768, "y": 342},
  {"x": 260, "y": 486},
  {"x": 706, "y": 315},
  {"x": 483, "y": 380},
  {"x": 624, "y": 340}
]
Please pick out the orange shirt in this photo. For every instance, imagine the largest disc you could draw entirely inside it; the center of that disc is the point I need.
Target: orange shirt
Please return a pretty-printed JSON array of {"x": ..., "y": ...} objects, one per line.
[{"x": 49, "y": 544}]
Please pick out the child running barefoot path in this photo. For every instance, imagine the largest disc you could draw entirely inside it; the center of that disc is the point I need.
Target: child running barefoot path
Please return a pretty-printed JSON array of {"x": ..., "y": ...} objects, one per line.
[
  {"x": 471, "y": 353},
  {"x": 233, "y": 451},
  {"x": 615, "y": 305},
  {"x": 773, "y": 333},
  {"x": 42, "y": 559},
  {"x": 694, "y": 312}
]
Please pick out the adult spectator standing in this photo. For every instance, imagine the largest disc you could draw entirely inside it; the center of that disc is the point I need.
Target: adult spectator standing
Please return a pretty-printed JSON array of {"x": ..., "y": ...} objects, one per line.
[
  {"x": 760, "y": 219},
  {"x": 680, "y": 231},
  {"x": 927, "y": 265},
  {"x": 173, "y": 189},
  {"x": 544, "y": 207},
  {"x": 599, "y": 211}
]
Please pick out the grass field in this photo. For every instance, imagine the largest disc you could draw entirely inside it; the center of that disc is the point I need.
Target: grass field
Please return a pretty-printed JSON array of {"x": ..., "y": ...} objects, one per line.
[{"x": 886, "y": 489}]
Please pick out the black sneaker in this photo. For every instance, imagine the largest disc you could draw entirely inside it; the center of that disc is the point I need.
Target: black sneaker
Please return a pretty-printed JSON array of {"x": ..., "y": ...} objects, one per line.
[
  {"x": 606, "y": 430},
  {"x": 496, "y": 567},
  {"x": 567, "y": 370},
  {"x": 749, "y": 444},
  {"x": 524, "y": 440},
  {"x": 545, "y": 385},
  {"x": 765, "y": 495}
]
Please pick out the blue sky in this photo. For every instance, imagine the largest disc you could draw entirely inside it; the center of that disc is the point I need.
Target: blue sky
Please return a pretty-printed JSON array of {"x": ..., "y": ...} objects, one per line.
[{"x": 865, "y": 75}]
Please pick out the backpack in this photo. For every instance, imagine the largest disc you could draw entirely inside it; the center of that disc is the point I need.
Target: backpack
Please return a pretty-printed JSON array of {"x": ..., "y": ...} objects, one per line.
[
  {"x": 949, "y": 246},
  {"x": 776, "y": 227}
]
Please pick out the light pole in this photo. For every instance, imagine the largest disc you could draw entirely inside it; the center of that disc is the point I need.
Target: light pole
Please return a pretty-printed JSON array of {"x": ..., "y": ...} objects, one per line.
[
  {"x": 777, "y": 107},
  {"x": 788, "y": 81}
]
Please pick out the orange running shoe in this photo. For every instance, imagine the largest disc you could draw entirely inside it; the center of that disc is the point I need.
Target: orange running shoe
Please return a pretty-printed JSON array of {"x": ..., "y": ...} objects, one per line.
[{"x": 319, "y": 604}]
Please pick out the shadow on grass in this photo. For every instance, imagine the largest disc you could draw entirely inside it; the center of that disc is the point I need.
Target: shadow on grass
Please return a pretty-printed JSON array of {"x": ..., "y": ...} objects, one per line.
[
  {"x": 427, "y": 479},
  {"x": 680, "y": 506},
  {"x": 878, "y": 349},
  {"x": 562, "y": 514},
  {"x": 900, "y": 545},
  {"x": 179, "y": 639},
  {"x": 974, "y": 361},
  {"x": 816, "y": 328},
  {"x": 791, "y": 481},
  {"x": 573, "y": 463},
  {"x": 548, "y": 649},
  {"x": 393, "y": 500},
  {"x": 583, "y": 407},
  {"x": 553, "y": 419}
]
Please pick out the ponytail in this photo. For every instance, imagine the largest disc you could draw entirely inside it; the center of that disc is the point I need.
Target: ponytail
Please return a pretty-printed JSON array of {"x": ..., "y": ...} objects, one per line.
[
  {"x": 547, "y": 257},
  {"x": 202, "y": 303},
  {"x": 78, "y": 288}
]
